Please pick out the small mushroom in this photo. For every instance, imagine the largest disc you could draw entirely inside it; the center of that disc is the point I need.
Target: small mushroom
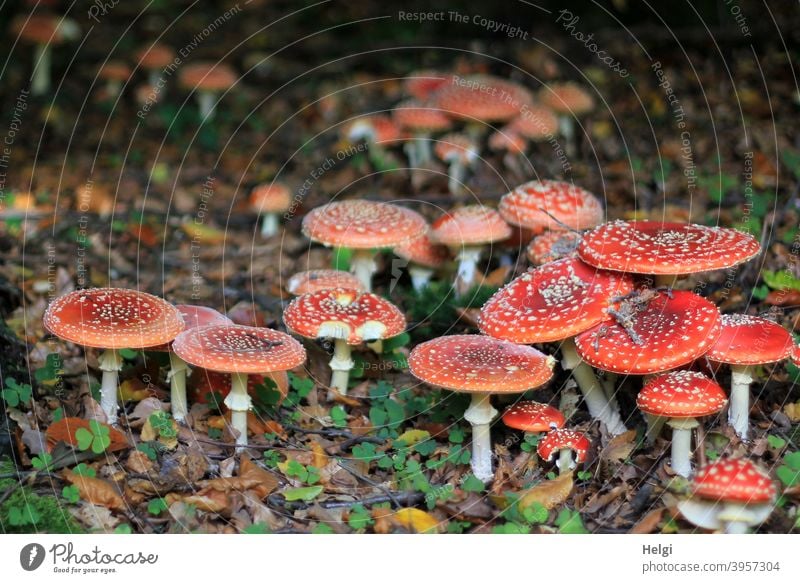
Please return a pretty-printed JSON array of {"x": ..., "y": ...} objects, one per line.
[
  {"x": 270, "y": 199},
  {"x": 729, "y": 495},
  {"x": 424, "y": 257},
  {"x": 112, "y": 319},
  {"x": 533, "y": 417},
  {"x": 348, "y": 317},
  {"x": 570, "y": 102},
  {"x": 551, "y": 204},
  {"x": 565, "y": 442},
  {"x": 154, "y": 58},
  {"x": 115, "y": 74},
  {"x": 681, "y": 396},
  {"x": 422, "y": 121},
  {"x": 239, "y": 351},
  {"x": 460, "y": 153},
  {"x": 744, "y": 343},
  {"x": 552, "y": 246},
  {"x": 536, "y": 123},
  {"x": 482, "y": 99},
  {"x": 481, "y": 366},
  {"x": 208, "y": 79},
  {"x": 314, "y": 280},
  {"x": 45, "y": 31}
]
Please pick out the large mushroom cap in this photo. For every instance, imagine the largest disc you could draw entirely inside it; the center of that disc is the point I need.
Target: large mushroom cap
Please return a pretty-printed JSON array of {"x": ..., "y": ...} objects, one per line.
[
  {"x": 535, "y": 123},
  {"x": 417, "y": 117},
  {"x": 40, "y": 28},
  {"x": 314, "y": 280},
  {"x": 533, "y": 416},
  {"x": 423, "y": 251},
  {"x": 738, "y": 480},
  {"x": 473, "y": 363},
  {"x": 482, "y": 98},
  {"x": 559, "y": 439},
  {"x": 208, "y": 76},
  {"x": 362, "y": 224},
  {"x": 551, "y": 204},
  {"x": 673, "y": 331},
  {"x": 567, "y": 98},
  {"x": 553, "y": 245},
  {"x": 681, "y": 393},
  {"x": 113, "y": 318},
  {"x": 470, "y": 225},
  {"x": 239, "y": 349},
  {"x": 271, "y": 197},
  {"x": 552, "y": 302},
  {"x": 658, "y": 248},
  {"x": 344, "y": 314},
  {"x": 750, "y": 340}
]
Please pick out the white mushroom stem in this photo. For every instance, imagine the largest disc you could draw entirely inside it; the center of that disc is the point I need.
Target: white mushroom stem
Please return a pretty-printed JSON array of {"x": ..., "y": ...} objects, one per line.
[
  {"x": 412, "y": 151},
  {"x": 341, "y": 364},
  {"x": 422, "y": 143},
  {"x": 565, "y": 461},
  {"x": 113, "y": 87},
  {"x": 468, "y": 258},
  {"x": 456, "y": 176},
  {"x": 239, "y": 403},
  {"x": 40, "y": 83},
  {"x": 593, "y": 395},
  {"x": 731, "y": 517},
  {"x": 269, "y": 225},
  {"x": 363, "y": 266},
  {"x": 153, "y": 77},
  {"x": 110, "y": 363},
  {"x": 177, "y": 381},
  {"x": 654, "y": 426},
  {"x": 420, "y": 276},
  {"x": 566, "y": 126},
  {"x": 206, "y": 101},
  {"x": 739, "y": 411},
  {"x": 681, "y": 461},
  {"x": 479, "y": 415}
]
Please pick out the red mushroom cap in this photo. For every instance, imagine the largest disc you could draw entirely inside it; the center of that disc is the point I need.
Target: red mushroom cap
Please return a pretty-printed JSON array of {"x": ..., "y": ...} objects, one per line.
[
  {"x": 482, "y": 98},
  {"x": 416, "y": 117},
  {"x": 271, "y": 197},
  {"x": 567, "y": 98},
  {"x": 316, "y": 280},
  {"x": 346, "y": 314},
  {"x": 381, "y": 127},
  {"x": 362, "y": 224},
  {"x": 208, "y": 76},
  {"x": 423, "y": 84},
  {"x": 553, "y": 245},
  {"x": 454, "y": 146},
  {"x": 155, "y": 56},
  {"x": 470, "y": 225},
  {"x": 681, "y": 393},
  {"x": 533, "y": 416},
  {"x": 558, "y": 439},
  {"x": 113, "y": 318},
  {"x": 472, "y": 363},
  {"x": 508, "y": 140},
  {"x": 535, "y": 123},
  {"x": 674, "y": 331},
  {"x": 531, "y": 205},
  {"x": 39, "y": 28},
  {"x": 239, "y": 349},
  {"x": 552, "y": 302},
  {"x": 194, "y": 316},
  {"x": 115, "y": 71},
  {"x": 750, "y": 340},
  {"x": 658, "y": 248},
  {"x": 738, "y": 480},
  {"x": 796, "y": 355},
  {"x": 423, "y": 251}
]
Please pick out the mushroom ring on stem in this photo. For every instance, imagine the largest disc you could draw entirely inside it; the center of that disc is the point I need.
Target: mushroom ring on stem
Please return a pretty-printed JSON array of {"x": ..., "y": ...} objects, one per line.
[
  {"x": 113, "y": 319},
  {"x": 555, "y": 302},
  {"x": 564, "y": 442},
  {"x": 349, "y": 318},
  {"x": 239, "y": 351},
  {"x": 480, "y": 366}
]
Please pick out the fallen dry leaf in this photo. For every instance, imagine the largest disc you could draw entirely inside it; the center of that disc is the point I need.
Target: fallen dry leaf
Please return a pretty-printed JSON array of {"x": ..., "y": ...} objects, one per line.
[
  {"x": 549, "y": 493},
  {"x": 416, "y": 520},
  {"x": 95, "y": 490},
  {"x": 620, "y": 447},
  {"x": 649, "y": 523},
  {"x": 65, "y": 429}
]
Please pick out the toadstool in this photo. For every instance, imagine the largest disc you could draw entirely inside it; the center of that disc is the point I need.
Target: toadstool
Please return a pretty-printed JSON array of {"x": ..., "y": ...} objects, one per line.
[
  {"x": 314, "y": 280},
  {"x": 271, "y": 199},
  {"x": 564, "y": 442},
  {"x": 551, "y": 204},
  {"x": 208, "y": 79},
  {"x": 424, "y": 257}
]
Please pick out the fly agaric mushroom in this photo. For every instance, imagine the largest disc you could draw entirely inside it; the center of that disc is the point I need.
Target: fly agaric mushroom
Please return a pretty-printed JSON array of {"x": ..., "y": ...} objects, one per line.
[
  {"x": 154, "y": 59},
  {"x": 114, "y": 73},
  {"x": 681, "y": 396},
  {"x": 193, "y": 316},
  {"x": 112, "y": 319},
  {"x": 746, "y": 342},
  {"x": 45, "y": 30},
  {"x": 665, "y": 250},
  {"x": 307, "y": 282},
  {"x": 271, "y": 199},
  {"x": 423, "y": 85},
  {"x": 466, "y": 231},
  {"x": 481, "y": 366},
  {"x": 377, "y": 131},
  {"x": 553, "y": 303},
  {"x": 424, "y": 256},
  {"x": 349, "y": 318},
  {"x": 565, "y": 442},
  {"x": 460, "y": 153},
  {"x": 421, "y": 121},
  {"x": 482, "y": 99},
  {"x": 553, "y": 245},
  {"x": 512, "y": 146},
  {"x": 532, "y": 417},
  {"x": 729, "y": 495},
  {"x": 535, "y": 123},
  {"x": 570, "y": 102},
  {"x": 208, "y": 80},
  {"x": 239, "y": 351},
  {"x": 363, "y": 226},
  {"x": 551, "y": 204}
]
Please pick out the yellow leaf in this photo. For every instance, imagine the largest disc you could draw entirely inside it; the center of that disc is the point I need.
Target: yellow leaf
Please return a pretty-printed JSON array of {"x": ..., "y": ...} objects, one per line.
[
  {"x": 414, "y": 436},
  {"x": 320, "y": 458},
  {"x": 792, "y": 411},
  {"x": 203, "y": 234},
  {"x": 416, "y": 520},
  {"x": 549, "y": 493}
]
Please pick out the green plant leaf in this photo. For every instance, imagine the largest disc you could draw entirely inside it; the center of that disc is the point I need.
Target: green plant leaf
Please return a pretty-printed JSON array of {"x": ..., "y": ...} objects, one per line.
[
  {"x": 84, "y": 438},
  {"x": 305, "y": 494}
]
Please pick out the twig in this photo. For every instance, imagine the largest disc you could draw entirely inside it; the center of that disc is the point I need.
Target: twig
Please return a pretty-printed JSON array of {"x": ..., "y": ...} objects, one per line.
[
  {"x": 403, "y": 498},
  {"x": 366, "y": 480}
]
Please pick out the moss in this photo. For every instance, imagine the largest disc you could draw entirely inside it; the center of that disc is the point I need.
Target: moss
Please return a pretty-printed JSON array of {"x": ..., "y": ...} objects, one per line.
[{"x": 41, "y": 514}]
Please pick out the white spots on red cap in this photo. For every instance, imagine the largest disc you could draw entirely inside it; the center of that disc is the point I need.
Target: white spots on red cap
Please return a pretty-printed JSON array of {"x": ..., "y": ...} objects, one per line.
[
  {"x": 345, "y": 314},
  {"x": 535, "y": 123},
  {"x": 734, "y": 480},
  {"x": 653, "y": 247},
  {"x": 473, "y": 363},
  {"x": 551, "y": 204},
  {"x": 553, "y": 245},
  {"x": 552, "y": 302},
  {"x": 113, "y": 318},
  {"x": 559, "y": 439},
  {"x": 420, "y": 118},
  {"x": 749, "y": 340},
  {"x": 533, "y": 416},
  {"x": 470, "y": 225},
  {"x": 681, "y": 393},
  {"x": 482, "y": 98},
  {"x": 315, "y": 280}
]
